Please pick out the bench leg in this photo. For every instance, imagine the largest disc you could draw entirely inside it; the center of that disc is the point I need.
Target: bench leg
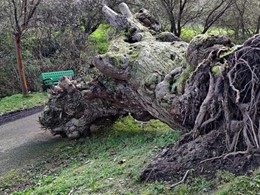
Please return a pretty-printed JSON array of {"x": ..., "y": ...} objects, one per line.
[{"x": 45, "y": 87}]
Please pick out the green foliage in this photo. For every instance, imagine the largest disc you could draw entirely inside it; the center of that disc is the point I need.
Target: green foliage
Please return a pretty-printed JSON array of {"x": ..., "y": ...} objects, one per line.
[
  {"x": 198, "y": 186},
  {"x": 220, "y": 31},
  {"x": 9, "y": 81},
  {"x": 224, "y": 177},
  {"x": 11, "y": 178},
  {"x": 241, "y": 185},
  {"x": 182, "y": 189},
  {"x": 188, "y": 33},
  {"x": 18, "y": 102},
  {"x": 99, "y": 38},
  {"x": 201, "y": 184}
]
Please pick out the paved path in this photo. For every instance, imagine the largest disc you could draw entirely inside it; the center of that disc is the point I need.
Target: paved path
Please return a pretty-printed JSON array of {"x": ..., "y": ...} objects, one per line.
[{"x": 22, "y": 142}]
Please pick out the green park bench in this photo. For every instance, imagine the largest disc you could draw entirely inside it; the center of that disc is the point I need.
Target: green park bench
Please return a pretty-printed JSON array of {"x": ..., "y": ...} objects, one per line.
[{"x": 52, "y": 78}]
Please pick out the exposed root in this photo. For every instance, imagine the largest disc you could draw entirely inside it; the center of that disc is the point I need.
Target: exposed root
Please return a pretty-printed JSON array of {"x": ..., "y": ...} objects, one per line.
[
  {"x": 180, "y": 182},
  {"x": 230, "y": 106},
  {"x": 213, "y": 158},
  {"x": 205, "y": 104},
  {"x": 236, "y": 153}
]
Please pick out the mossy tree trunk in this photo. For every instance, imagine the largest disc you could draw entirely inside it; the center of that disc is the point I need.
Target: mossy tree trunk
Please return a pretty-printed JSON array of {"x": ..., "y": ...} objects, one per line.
[{"x": 208, "y": 89}]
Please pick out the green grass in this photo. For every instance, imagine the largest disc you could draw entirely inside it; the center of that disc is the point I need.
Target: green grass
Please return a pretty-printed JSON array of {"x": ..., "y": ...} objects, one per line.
[
  {"x": 189, "y": 32},
  {"x": 110, "y": 162},
  {"x": 18, "y": 102},
  {"x": 239, "y": 185}
]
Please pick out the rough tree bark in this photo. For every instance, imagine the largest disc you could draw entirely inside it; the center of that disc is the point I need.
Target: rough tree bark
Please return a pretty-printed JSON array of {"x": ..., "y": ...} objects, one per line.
[
  {"x": 20, "y": 65},
  {"x": 208, "y": 89}
]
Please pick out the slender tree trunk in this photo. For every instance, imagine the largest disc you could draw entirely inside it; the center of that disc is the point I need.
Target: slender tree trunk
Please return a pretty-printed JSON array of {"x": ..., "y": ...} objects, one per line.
[
  {"x": 173, "y": 25},
  {"x": 205, "y": 30},
  {"x": 20, "y": 65},
  {"x": 178, "y": 33}
]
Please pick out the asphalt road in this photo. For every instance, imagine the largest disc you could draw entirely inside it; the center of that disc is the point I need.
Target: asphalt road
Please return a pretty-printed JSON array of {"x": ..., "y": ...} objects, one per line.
[{"x": 22, "y": 142}]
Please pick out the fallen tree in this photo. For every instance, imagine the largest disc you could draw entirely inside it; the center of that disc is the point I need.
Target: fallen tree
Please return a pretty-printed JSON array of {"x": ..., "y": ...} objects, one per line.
[{"x": 208, "y": 89}]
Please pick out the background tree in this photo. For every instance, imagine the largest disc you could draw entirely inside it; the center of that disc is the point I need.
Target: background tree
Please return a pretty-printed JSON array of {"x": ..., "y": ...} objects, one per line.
[
  {"x": 206, "y": 13},
  {"x": 243, "y": 19},
  {"x": 180, "y": 13},
  {"x": 213, "y": 11},
  {"x": 59, "y": 35},
  {"x": 21, "y": 13}
]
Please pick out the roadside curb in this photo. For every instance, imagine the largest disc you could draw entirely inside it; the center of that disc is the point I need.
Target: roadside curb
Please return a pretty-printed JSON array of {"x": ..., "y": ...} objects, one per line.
[{"x": 15, "y": 115}]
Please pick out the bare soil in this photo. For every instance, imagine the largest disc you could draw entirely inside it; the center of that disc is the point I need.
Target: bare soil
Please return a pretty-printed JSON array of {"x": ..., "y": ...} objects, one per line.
[{"x": 203, "y": 156}]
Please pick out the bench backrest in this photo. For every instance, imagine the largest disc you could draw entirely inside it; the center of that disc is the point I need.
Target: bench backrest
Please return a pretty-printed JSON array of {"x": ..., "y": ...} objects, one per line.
[{"x": 50, "y": 78}]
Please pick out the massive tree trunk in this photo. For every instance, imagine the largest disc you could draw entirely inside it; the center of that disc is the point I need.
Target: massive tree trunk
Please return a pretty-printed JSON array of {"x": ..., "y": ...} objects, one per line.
[{"x": 208, "y": 89}]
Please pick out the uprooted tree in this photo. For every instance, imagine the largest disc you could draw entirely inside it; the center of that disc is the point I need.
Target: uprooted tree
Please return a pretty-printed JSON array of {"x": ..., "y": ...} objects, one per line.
[{"x": 208, "y": 89}]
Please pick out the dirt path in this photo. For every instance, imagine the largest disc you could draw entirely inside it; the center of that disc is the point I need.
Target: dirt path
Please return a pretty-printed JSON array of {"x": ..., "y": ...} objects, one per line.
[{"x": 22, "y": 142}]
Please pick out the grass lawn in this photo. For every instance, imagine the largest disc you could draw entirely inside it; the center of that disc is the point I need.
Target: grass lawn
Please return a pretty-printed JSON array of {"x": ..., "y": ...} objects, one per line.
[
  {"x": 110, "y": 162},
  {"x": 189, "y": 32},
  {"x": 18, "y": 102}
]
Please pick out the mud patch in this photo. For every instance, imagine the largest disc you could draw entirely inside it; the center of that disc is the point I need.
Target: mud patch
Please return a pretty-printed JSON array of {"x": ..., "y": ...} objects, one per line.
[{"x": 203, "y": 156}]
